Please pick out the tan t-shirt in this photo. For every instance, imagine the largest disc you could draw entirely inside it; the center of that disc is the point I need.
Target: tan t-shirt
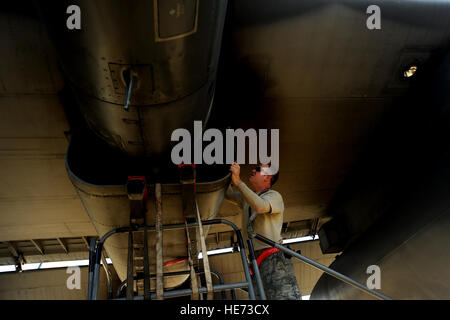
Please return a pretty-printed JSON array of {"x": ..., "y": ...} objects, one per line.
[{"x": 268, "y": 224}]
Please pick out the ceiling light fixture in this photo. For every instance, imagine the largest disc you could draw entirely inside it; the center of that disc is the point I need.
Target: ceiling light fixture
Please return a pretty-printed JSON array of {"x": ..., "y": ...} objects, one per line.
[{"x": 408, "y": 73}]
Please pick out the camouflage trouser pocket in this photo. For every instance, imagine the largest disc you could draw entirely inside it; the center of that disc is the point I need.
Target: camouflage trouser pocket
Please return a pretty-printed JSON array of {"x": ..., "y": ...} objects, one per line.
[{"x": 278, "y": 277}]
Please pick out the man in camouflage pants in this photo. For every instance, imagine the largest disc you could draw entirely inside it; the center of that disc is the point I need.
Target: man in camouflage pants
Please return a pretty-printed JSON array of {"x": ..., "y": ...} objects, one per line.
[{"x": 263, "y": 213}]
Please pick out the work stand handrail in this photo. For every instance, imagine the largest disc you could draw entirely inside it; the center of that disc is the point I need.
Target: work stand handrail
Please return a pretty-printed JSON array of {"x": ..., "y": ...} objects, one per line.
[
  {"x": 319, "y": 266},
  {"x": 96, "y": 251}
]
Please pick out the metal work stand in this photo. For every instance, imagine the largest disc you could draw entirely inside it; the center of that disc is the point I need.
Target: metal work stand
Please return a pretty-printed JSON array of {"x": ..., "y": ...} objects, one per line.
[
  {"x": 138, "y": 258},
  {"x": 95, "y": 254},
  {"x": 255, "y": 270}
]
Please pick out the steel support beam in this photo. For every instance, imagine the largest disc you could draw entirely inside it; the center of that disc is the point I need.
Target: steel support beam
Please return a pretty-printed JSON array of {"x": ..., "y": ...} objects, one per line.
[
  {"x": 38, "y": 246},
  {"x": 63, "y": 245},
  {"x": 86, "y": 242},
  {"x": 12, "y": 249}
]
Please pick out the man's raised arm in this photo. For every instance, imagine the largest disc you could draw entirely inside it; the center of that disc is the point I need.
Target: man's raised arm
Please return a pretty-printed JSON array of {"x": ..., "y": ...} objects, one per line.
[
  {"x": 258, "y": 204},
  {"x": 234, "y": 196}
]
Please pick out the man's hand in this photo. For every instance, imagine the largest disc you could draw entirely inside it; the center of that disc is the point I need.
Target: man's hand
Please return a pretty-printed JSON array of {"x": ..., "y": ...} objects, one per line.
[{"x": 235, "y": 172}]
